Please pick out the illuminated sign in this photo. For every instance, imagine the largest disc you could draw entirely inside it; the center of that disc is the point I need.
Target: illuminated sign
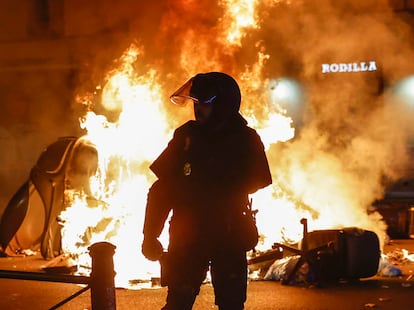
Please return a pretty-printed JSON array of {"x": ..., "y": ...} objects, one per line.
[{"x": 349, "y": 67}]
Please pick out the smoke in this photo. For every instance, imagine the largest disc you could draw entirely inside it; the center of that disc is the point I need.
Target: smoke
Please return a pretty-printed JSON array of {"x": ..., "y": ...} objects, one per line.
[{"x": 354, "y": 136}]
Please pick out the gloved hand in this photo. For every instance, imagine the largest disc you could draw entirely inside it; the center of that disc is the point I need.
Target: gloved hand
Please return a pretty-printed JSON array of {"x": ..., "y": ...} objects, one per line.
[{"x": 152, "y": 248}]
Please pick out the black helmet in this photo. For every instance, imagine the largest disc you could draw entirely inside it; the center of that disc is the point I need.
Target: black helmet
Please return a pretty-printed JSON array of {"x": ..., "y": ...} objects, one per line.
[{"x": 216, "y": 88}]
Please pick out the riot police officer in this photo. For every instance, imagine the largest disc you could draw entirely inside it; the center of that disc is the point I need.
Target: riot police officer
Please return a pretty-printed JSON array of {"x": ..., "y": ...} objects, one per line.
[{"x": 205, "y": 176}]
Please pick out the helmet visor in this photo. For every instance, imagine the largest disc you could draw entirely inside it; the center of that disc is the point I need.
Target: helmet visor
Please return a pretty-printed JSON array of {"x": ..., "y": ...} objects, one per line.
[
  {"x": 194, "y": 92},
  {"x": 182, "y": 95}
]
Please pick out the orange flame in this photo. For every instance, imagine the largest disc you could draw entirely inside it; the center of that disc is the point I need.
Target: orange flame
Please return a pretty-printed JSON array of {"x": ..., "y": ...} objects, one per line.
[
  {"x": 241, "y": 16},
  {"x": 126, "y": 147}
]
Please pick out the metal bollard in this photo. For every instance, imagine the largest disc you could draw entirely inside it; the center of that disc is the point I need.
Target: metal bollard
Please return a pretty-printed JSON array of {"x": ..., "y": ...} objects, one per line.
[{"x": 102, "y": 276}]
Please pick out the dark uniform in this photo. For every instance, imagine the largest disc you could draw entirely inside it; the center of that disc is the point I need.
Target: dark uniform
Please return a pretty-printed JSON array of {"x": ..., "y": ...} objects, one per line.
[{"x": 204, "y": 177}]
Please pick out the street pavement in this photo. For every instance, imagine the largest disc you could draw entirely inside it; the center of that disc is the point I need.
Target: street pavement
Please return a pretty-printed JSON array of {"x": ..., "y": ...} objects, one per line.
[{"x": 378, "y": 292}]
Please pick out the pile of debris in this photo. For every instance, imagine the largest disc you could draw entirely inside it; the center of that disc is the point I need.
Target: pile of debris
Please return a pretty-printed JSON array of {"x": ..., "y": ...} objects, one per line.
[{"x": 322, "y": 256}]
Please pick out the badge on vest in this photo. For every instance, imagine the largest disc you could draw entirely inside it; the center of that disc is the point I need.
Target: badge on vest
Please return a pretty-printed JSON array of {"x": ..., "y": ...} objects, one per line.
[{"x": 187, "y": 169}]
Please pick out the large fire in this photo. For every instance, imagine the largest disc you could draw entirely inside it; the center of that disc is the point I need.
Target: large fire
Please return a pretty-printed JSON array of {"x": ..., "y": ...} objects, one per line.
[
  {"x": 309, "y": 181},
  {"x": 114, "y": 210}
]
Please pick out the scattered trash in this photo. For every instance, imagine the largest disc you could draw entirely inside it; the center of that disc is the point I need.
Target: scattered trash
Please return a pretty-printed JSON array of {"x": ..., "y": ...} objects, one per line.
[
  {"x": 387, "y": 269},
  {"x": 60, "y": 265},
  {"x": 390, "y": 271},
  {"x": 400, "y": 257},
  {"x": 281, "y": 268},
  {"x": 370, "y": 305},
  {"x": 384, "y": 299},
  {"x": 28, "y": 252}
]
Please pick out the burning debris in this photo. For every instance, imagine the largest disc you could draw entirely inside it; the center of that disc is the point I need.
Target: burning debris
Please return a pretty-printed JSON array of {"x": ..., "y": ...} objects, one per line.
[{"x": 324, "y": 256}]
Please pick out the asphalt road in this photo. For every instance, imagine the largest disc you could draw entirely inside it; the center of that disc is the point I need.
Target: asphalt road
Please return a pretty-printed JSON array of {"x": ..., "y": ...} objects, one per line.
[
  {"x": 377, "y": 292},
  {"x": 381, "y": 294}
]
